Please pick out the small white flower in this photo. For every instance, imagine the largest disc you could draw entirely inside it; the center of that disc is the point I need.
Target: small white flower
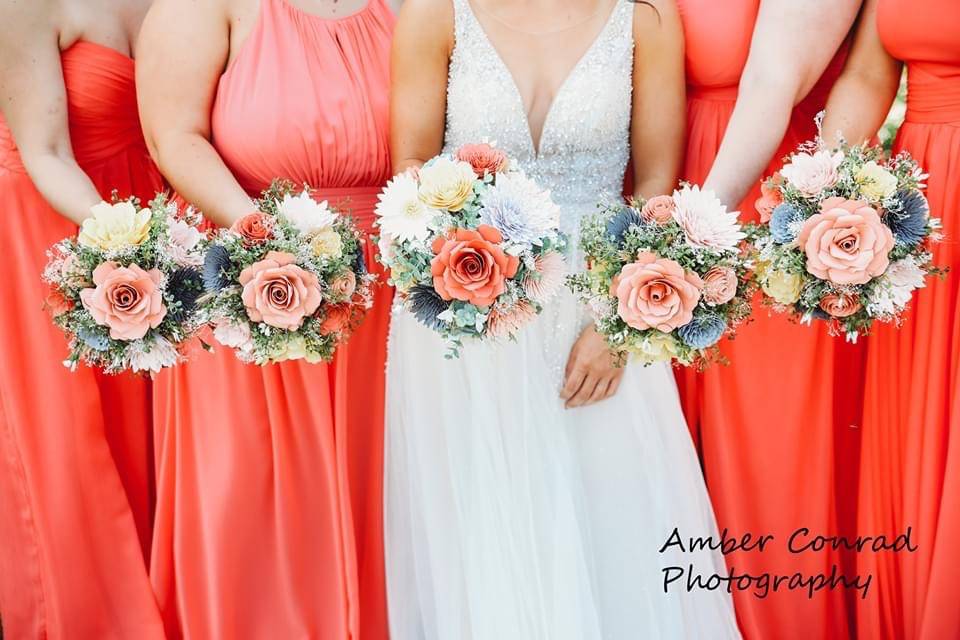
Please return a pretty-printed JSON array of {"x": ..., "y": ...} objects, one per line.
[
  {"x": 305, "y": 213},
  {"x": 401, "y": 213},
  {"x": 705, "y": 220},
  {"x": 235, "y": 335},
  {"x": 154, "y": 357},
  {"x": 446, "y": 316},
  {"x": 895, "y": 287}
]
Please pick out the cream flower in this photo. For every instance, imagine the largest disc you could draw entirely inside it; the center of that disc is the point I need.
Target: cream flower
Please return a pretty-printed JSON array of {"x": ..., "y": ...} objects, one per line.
[
  {"x": 656, "y": 347},
  {"x": 327, "y": 243},
  {"x": 295, "y": 348},
  {"x": 401, "y": 214},
  {"x": 876, "y": 183},
  {"x": 305, "y": 213},
  {"x": 154, "y": 357},
  {"x": 782, "y": 286},
  {"x": 446, "y": 184},
  {"x": 114, "y": 226}
]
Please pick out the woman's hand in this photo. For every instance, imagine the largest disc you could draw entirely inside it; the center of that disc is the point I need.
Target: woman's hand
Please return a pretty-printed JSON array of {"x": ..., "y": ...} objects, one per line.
[{"x": 592, "y": 373}]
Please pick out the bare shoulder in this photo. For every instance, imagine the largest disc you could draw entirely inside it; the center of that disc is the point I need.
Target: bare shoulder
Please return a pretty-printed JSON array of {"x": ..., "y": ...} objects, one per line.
[
  {"x": 18, "y": 15},
  {"x": 433, "y": 16},
  {"x": 655, "y": 19}
]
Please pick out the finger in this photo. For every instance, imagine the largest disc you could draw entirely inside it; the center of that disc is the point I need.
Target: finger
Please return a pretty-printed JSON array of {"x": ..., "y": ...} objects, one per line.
[
  {"x": 583, "y": 393},
  {"x": 572, "y": 383},
  {"x": 600, "y": 392},
  {"x": 614, "y": 385}
]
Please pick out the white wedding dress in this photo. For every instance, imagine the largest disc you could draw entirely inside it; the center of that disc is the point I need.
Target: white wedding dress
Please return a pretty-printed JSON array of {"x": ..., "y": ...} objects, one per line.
[{"x": 509, "y": 517}]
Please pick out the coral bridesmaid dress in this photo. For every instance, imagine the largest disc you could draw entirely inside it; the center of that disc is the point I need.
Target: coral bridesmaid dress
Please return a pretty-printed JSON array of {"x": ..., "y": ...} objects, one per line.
[
  {"x": 74, "y": 447},
  {"x": 911, "y": 431},
  {"x": 265, "y": 473},
  {"x": 769, "y": 425}
]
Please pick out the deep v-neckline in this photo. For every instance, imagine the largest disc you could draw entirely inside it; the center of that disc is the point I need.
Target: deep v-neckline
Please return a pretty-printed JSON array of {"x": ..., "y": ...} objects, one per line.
[{"x": 536, "y": 145}]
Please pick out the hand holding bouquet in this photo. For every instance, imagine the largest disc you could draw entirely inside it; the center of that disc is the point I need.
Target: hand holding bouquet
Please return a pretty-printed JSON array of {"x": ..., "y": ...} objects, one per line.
[
  {"x": 472, "y": 245},
  {"x": 287, "y": 281},
  {"x": 844, "y": 236},
  {"x": 125, "y": 289},
  {"x": 665, "y": 278}
]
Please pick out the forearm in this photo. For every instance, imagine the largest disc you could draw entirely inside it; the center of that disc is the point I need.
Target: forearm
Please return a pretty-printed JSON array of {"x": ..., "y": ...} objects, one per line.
[
  {"x": 197, "y": 172},
  {"x": 756, "y": 129},
  {"x": 858, "y": 106},
  {"x": 654, "y": 184},
  {"x": 63, "y": 184}
]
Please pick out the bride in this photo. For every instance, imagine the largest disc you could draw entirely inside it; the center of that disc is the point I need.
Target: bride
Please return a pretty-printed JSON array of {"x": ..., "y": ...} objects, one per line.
[{"x": 532, "y": 484}]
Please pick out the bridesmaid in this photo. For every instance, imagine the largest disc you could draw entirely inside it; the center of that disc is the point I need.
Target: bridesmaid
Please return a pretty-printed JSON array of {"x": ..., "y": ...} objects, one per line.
[
  {"x": 910, "y": 474},
  {"x": 255, "y": 526},
  {"x": 74, "y": 447},
  {"x": 768, "y": 424}
]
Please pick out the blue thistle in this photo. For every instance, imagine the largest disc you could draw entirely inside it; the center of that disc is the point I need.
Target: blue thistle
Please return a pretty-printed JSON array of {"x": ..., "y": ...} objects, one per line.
[
  {"x": 703, "y": 331},
  {"x": 621, "y": 223},
  {"x": 360, "y": 264},
  {"x": 215, "y": 266},
  {"x": 785, "y": 222},
  {"x": 94, "y": 340},
  {"x": 426, "y": 304},
  {"x": 184, "y": 285},
  {"x": 908, "y": 220}
]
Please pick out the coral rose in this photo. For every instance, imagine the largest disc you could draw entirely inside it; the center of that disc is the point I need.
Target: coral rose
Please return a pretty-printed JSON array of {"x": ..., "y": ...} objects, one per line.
[
  {"x": 483, "y": 158},
  {"x": 57, "y": 304},
  {"x": 719, "y": 285},
  {"x": 840, "y": 306},
  {"x": 471, "y": 266},
  {"x": 336, "y": 317},
  {"x": 846, "y": 243},
  {"x": 255, "y": 227},
  {"x": 656, "y": 293},
  {"x": 126, "y": 299},
  {"x": 770, "y": 197},
  {"x": 658, "y": 210},
  {"x": 278, "y": 292}
]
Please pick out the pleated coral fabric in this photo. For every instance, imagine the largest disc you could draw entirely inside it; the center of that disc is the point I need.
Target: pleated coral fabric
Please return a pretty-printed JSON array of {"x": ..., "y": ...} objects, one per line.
[
  {"x": 269, "y": 480},
  {"x": 910, "y": 473},
  {"x": 774, "y": 434},
  {"x": 75, "y": 449}
]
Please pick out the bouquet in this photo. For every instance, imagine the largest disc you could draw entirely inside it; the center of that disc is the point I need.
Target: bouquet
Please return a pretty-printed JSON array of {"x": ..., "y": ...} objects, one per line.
[
  {"x": 125, "y": 289},
  {"x": 844, "y": 236},
  {"x": 471, "y": 244},
  {"x": 287, "y": 281},
  {"x": 665, "y": 278}
]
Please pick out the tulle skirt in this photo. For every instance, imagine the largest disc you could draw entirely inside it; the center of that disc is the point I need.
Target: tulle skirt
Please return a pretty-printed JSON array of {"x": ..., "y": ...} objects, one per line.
[{"x": 508, "y": 516}]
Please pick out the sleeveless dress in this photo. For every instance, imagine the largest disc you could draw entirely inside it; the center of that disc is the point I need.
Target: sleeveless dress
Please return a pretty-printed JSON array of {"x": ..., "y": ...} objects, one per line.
[
  {"x": 774, "y": 434},
  {"x": 910, "y": 473},
  {"x": 254, "y": 527},
  {"x": 509, "y": 516},
  {"x": 75, "y": 495}
]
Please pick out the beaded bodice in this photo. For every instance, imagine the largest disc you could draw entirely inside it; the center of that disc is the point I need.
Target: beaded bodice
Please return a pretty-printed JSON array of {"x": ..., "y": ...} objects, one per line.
[{"x": 584, "y": 145}]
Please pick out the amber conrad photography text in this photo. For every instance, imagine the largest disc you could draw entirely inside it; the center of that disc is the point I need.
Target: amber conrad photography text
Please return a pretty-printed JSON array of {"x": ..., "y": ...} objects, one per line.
[{"x": 801, "y": 540}]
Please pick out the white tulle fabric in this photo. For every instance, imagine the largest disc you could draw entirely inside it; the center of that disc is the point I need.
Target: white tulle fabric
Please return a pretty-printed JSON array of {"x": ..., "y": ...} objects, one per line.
[{"x": 507, "y": 516}]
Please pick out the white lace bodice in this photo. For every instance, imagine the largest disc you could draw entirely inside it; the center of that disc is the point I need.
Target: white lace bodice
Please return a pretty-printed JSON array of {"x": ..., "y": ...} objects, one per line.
[{"x": 584, "y": 145}]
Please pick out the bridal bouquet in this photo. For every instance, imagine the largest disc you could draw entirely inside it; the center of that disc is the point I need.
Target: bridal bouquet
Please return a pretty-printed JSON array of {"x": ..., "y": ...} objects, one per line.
[
  {"x": 665, "y": 278},
  {"x": 472, "y": 245},
  {"x": 844, "y": 236},
  {"x": 287, "y": 281},
  {"x": 125, "y": 289}
]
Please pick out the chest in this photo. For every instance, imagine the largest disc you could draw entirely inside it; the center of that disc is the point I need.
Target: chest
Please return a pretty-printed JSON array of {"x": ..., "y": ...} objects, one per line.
[
  {"x": 921, "y": 30},
  {"x": 111, "y": 23}
]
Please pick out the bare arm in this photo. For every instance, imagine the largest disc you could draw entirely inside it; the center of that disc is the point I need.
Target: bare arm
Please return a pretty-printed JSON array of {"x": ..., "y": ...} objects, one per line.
[
  {"x": 180, "y": 62},
  {"x": 422, "y": 43},
  {"x": 862, "y": 96},
  {"x": 793, "y": 43},
  {"x": 34, "y": 103},
  {"x": 658, "y": 121}
]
